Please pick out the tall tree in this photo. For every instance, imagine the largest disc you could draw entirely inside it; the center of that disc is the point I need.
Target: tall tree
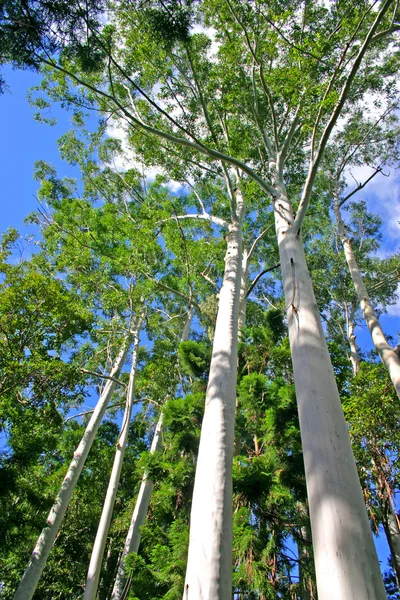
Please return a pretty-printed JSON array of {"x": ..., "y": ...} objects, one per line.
[{"x": 293, "y": 89}]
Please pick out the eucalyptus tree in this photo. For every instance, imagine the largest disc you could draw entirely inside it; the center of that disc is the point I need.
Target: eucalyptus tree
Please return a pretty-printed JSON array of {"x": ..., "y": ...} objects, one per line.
[
  {"x": 372, "y": 143},
  {"x": 267, "y": 106},
  {"x": 337, "y": 297},
  {"x": 65, "y": 259},
  {"x": 133, "y": 537},
  {"x": 97, "y": 246},
  {"x": 371, "y": 410},
  {"x": 93, "y": 575},
  {"x": 48, "y": 535}
]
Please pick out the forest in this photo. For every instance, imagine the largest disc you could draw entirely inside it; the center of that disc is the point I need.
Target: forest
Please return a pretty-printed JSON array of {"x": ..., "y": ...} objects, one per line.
[{"x": 199, "y": 382}]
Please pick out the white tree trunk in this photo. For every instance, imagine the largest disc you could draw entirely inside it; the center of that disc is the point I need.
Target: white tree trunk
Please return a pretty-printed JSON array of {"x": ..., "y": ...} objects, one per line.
[
  {"x": 209, "y": 568},
  {"x": 38, "y": 559},
  {"x": 132, "y": 541},
  {"x": 345, "y": 558},
  {"x": 355, "y": 361},
  {"x": 386, "y": 352},
  {"x": 133, "y": 537},
  {"x": 244, "y": 284},
  {"x": 93, "y": 576},
  {"x": 390, "y": 520},
  {"x": 306, "y": 584},
  {"x": 392, "y": 531}
]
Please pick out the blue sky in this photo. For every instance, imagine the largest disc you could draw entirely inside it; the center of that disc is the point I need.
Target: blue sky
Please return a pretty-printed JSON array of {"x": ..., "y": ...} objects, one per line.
[{"x": 26, "y": 141}]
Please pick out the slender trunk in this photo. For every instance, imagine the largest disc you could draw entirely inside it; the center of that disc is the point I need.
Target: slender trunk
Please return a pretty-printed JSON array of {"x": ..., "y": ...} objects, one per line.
[
  {"x": 38, "y": 559},
  {"x": 93, "y": 576},
  {"x": 392, "y": 531},
  {"x": 346, "y": 563},
  {"x": 209, "y": 568},
  {"x": 386, "y": 352},
  {"x": 244, "y": 284},
  {"x": 188, "y": 324},
  {"x": 390, "y": 520},
  {"x": 132, "y": 541},
  {"x": 306, "y": 583},
  {"x": 355, "y": 361}
]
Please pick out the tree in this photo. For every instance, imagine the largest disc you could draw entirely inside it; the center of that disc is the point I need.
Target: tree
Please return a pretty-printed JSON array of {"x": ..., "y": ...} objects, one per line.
[{"x": 292, "y": 88}]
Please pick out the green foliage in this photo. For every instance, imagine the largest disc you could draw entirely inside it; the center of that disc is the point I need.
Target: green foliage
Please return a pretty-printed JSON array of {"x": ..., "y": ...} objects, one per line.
[{"x": 195, "y": 358}]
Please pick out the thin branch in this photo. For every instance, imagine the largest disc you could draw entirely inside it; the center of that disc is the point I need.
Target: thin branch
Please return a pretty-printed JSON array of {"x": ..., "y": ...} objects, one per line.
[
  {"x": 332, "y": 121},
  {"x": 288, "y": 139},
  {"x": 385, "y": 32},
  {"x": 258, "y": 277},
  {"x": 89, "y": 412},
  {"x": 171, "y": 290},
  {"x": 360, "y": 186},
  {"x": 262, "y": 79},
  {"x": 203, "y": 216},
  {"x": 102, "y": 376},
  {"x": 333, "y": 78},
  {"x": 210, "y": 281},
  {"x": 214, "y": 154},
  {"x": 258, "y": 238}
]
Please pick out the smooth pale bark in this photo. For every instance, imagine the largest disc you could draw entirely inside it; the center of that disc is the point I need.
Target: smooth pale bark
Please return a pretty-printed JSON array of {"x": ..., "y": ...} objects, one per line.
[
  {"x": 132, "y": 541},
  {"x": 209, "y": 568},
  {"x": 133, "y": 537},
  {"x": 390, "y": 520},
  {"x": 387, "y": 354},
  {"x": 346, "y": 563},
  {"x": 244, "y": 284},
  {"x": 38, "y": 559},
  {"x": 306, "y": 584},
  {"x": 96, "y": 559},
  {"x": 355, "y": 361},
  {"x": 392, "y": 532}
]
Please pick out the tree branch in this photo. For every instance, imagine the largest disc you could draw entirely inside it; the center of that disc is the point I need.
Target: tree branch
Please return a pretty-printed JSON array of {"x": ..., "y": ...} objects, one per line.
[
  {"x": 103, "y": 376},
  {"x": 213, "y": 154},
  {"x": 258, "y": 277},
  {"x": 258, "y": 238},
  {"x": 360, "y": 186},
  {"x": 305, "y": 199},
  {"x": 203, "y": 216}
]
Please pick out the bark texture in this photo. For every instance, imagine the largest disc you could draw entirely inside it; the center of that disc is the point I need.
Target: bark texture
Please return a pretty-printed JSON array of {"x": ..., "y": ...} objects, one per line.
[
  {"x": 93, "y": 576},
  {"x": 387, "y": 354},
  {"x": 39, "y": 556},
  {"x": 209, "y": 568},
  {"x": 346, "y": 563}
]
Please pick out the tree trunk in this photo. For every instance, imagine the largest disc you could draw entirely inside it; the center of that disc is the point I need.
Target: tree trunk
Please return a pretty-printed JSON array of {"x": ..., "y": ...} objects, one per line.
[
  {"x": 132, "y": 541},
  {"x": 93, "y": 576},
  {"x": 355, "y": 361},
  {"x": 390, "y": 520},
  {"x": 243, "y": 291},
  {"x": 392, "y": 531},
  {"x": 306, "y": 583},
  {"x": 209, "y": 568},
  {"x": 346, "y": 563},
  {"x": 386, "y": 352},
  {"x": 38, "y": 559}
]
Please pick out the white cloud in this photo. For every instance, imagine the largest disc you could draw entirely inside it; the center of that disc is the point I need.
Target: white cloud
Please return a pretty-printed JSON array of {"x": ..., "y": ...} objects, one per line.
[
  {"x": 211, "y": 33},
  {"x": 393, "y": 310},
  {"x": 383, "y": 197},
  {"x": 127, "y": 159}
]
